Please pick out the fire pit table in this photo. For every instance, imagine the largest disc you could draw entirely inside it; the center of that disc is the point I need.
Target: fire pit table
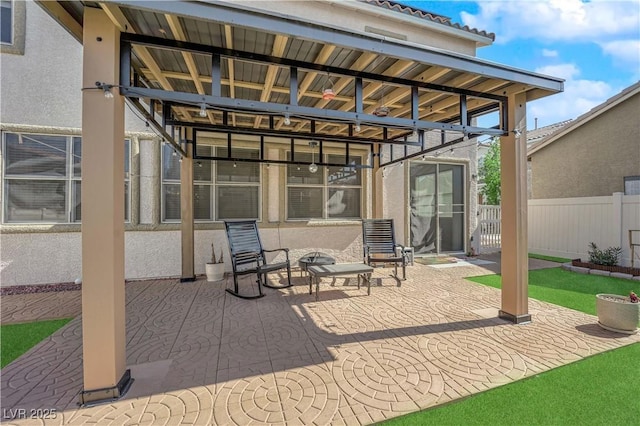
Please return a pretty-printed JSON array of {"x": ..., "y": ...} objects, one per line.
[{"x": 314, "y": 259}]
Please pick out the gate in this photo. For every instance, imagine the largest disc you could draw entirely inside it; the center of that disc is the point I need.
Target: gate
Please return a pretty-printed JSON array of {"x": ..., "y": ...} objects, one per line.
[{"x": 488, "y": 231}]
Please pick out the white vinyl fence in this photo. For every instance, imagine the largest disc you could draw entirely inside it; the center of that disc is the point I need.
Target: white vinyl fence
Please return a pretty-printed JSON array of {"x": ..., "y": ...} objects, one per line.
[
  {"x": 488, "y": 232},
  {"x": 564, "y": 227}
]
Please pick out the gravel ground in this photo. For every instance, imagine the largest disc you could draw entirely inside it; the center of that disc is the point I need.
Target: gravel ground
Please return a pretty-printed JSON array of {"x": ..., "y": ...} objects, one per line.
[{"x": 40, "y": 288}]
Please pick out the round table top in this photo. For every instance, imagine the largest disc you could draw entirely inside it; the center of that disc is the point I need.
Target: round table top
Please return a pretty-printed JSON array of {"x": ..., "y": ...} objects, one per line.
[{"x": 316, "y": 258}]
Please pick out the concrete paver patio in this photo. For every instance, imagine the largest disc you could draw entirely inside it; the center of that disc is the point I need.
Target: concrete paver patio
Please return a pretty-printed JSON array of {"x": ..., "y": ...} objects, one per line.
[{"x": 201, "y": 356}]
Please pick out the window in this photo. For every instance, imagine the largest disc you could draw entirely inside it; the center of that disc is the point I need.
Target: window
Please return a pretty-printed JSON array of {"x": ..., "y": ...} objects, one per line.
[
  {"x": 6, "y": 22},
  {"x": 222, "y": 190},
  {"x": 12, "y": 26},
  {"x": 42, "y": 178},
  {"x": 330, "y": 193},
  {"x": 632, "y": 185}
]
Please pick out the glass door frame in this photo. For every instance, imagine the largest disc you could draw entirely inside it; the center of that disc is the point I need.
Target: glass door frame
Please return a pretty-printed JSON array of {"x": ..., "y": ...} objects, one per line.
[{"x": 466, "y": 207}]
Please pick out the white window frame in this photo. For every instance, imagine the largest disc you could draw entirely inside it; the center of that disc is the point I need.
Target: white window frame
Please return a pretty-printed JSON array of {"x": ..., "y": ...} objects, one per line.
[
  {"x": 630, "y": 179},
  {"x": 70, "y": 179},
  {"x": 325, "y": 190},
  {"x": 18, "y": 22},
  {"x": 213, "y": 185}
]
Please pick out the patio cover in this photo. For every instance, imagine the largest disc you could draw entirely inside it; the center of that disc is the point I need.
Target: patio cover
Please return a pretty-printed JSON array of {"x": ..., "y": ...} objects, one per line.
[{"x": 195, "y": 65}]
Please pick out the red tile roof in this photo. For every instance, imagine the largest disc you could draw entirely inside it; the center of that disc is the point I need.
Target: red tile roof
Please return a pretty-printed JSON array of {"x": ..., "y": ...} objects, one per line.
[{"x": 429, "y": 16}]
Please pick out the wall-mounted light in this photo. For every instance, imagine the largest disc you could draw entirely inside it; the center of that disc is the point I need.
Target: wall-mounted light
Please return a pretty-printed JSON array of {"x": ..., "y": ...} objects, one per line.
[
  {"x": 517, "y": 132},
  {"x": 415, "y": 132},
  {"x": 107, "y": 92},
  {"x": 235, "y": 164},
  {"x": 105, "y": 87}
]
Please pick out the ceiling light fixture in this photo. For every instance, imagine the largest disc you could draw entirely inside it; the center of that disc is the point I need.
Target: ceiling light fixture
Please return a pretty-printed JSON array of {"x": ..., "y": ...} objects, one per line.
[
  {"x": 287, "y": 119},
  {"x": 203, "y": 110},
  {"x": 357, "y": 127},
  {"x": 313, "y": 167},
  {"x": 415, "y": 132},
  {"x": 382, "y": 110},
  {"x": 327, "y": 90}
]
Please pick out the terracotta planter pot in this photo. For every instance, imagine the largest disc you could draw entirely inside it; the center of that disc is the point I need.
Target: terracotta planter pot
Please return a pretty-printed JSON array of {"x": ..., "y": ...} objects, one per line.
[
  {"x": 617, "y": 313},
  {"x": 215, "y": 271}
]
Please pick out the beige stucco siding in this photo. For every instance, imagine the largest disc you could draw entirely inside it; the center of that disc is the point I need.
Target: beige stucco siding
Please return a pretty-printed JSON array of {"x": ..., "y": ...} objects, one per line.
[
  {"x": 593, "y": 159},
  {"x": 365, "y": 18},
  {"x": 42, "y": 87}
]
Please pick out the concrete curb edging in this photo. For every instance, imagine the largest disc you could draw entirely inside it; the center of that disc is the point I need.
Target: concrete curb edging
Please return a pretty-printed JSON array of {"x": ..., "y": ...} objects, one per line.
[{"x": 581, "y": 270}]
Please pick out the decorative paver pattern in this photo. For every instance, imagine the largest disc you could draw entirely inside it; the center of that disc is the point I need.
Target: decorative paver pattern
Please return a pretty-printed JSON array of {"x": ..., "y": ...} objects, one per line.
[{"x": 201, "y": 356}]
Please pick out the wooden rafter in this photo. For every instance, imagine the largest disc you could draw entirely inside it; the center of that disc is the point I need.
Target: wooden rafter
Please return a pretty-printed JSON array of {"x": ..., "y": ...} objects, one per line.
[
  {"x": 321, "y": 58},
  {"x": 117, "y": 17},
  {"x": 279, "y": 43},
  {"x": 369, "y": 89},
  {"x": 178, "y": 33},
  {"x": 228, "y": 38}
]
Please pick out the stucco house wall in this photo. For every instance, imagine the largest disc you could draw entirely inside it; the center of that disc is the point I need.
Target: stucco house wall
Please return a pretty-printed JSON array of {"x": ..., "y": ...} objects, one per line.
[
  {"x": 359, "y": 17},
  {"x": 41, "y": 93},
  {"x": 592, "y": 159}
]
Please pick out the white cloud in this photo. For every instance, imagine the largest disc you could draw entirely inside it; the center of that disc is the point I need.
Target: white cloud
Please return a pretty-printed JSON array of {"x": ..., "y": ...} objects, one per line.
[
  {"x": 556, "y": 20},
  {"x": 579, "y": 96},
  {"x": 548, "y": 53},
  {"x": 566, "y": 71},
  {"x": 625, "y": 53}
]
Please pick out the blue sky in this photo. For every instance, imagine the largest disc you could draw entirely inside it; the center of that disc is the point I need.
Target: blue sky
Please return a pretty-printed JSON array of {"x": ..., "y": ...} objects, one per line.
[{"x": 594, "y": 46}]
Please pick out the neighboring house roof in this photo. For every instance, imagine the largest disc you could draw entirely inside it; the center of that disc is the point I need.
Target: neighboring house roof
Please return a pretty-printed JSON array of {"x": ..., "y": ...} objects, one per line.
[
  {"x": 429, "y": 16},
  {"x": 536, "y": 135},
  {"x": 586, "y": 117}
]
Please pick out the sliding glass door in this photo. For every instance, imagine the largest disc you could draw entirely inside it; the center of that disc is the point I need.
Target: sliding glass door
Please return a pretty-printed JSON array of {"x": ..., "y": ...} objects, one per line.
[{"x": 437, "y": 208}]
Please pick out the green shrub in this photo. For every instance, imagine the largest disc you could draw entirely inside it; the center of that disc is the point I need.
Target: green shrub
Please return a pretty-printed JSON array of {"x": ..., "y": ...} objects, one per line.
[{"x": 607, "y": 257}]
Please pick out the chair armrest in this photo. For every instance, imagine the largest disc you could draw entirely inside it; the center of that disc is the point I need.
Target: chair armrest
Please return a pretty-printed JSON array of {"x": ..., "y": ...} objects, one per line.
[
  {"x": 285, "y": 250},
  {"x": 405, "y": 257},
  {"x": 278, "y": 249}
]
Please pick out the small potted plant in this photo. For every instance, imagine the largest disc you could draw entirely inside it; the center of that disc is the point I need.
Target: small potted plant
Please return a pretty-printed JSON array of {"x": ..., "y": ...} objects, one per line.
[
  {"x": 215, "y": 268},
  {"x": 618, "y": 313}
]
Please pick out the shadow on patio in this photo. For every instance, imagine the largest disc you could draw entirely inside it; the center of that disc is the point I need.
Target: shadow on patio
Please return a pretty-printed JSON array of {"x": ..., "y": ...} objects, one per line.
[{"x": 200, "y": 355}]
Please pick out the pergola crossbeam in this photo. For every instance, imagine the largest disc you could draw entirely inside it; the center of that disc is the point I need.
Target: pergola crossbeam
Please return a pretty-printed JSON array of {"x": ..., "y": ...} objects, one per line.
[
  {"x": 144, "y": 40},
  {"x": 286, "y": 25}
]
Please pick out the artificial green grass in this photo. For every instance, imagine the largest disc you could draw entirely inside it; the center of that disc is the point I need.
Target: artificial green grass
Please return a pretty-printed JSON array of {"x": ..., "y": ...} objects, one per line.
[
  {"x": 600, "y": 390},
  {"x": 16, "y": 339},
  {"x": 568, "y": 289},
  {"x": 549, "y": 258}
]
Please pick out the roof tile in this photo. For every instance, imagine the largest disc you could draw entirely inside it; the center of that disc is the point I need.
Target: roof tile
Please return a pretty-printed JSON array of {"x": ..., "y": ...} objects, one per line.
[{"x": 429, "y": 16}]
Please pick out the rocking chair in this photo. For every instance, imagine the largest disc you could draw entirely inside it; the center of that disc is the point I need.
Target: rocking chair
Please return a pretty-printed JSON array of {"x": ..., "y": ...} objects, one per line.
[{"x": 248, "y": 256}]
